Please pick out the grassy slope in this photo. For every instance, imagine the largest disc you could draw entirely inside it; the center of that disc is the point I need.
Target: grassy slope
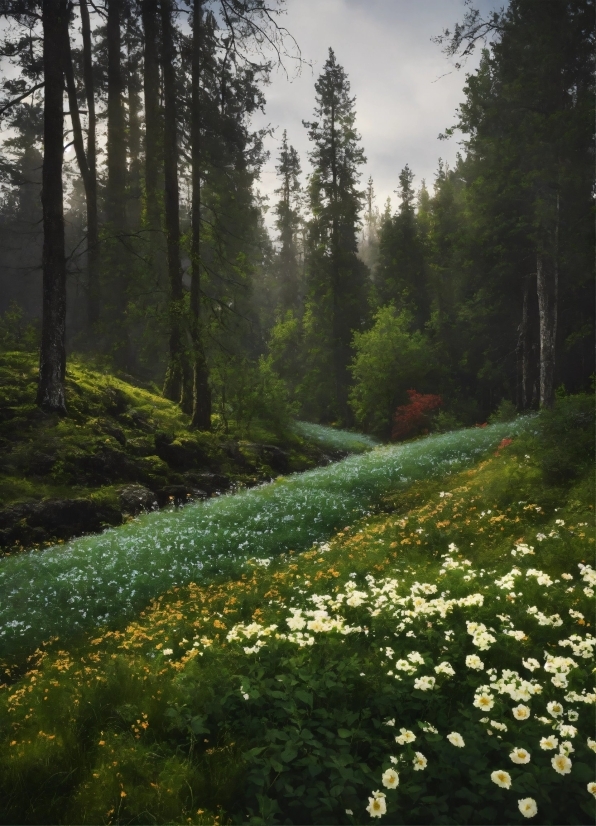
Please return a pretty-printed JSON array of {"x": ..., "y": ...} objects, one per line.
[
  {"x": 115, "y": 435},
  {"x": 117, "y": 730}
]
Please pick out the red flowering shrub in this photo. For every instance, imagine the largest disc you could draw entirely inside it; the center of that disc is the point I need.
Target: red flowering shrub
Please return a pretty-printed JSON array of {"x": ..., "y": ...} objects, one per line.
[{"x": 414, "y": 418}]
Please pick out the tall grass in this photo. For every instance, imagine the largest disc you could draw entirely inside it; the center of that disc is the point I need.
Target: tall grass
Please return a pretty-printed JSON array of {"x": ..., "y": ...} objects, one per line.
[{"x": 104, "y": 580}]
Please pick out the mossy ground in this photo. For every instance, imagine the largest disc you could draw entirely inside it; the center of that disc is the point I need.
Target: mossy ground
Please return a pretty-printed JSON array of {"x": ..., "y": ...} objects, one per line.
[
  {"x": 115, "y": 434},
  {"x": 139, "y": 725}
]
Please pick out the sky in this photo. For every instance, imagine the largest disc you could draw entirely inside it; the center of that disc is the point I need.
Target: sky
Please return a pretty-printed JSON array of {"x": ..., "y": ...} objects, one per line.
[{"x": 407, "y": 90}]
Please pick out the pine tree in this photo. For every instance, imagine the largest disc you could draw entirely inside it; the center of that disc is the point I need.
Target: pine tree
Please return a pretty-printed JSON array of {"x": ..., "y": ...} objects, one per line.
[
  {"x": 401, "y": 275},
  {"x": 288, "y": 220},
  {"x": 337, "y": 278}
]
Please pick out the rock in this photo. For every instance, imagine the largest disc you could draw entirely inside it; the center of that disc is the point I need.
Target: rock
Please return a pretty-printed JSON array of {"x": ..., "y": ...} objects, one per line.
[
  {"x": 271, "y": 455},
  {"x": 28, "y": 522},
  {"x": 110, "y": 429},
  {"x": 136, "y": 499},
  {"x": 182, "y": 454},
  {"x": 211, "y": 482},
  {"x": 107, "y": 466}
]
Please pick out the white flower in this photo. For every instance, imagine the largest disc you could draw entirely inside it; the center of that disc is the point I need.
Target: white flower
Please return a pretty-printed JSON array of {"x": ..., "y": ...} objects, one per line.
[
  {"x": 566, "y": 576},
  {"x": 498, "y": 726},
  {"x": 376, "y": 805},
  {"x": 592, "y": 788},
  {"x": 531, "y": 664},
  {"x": 548, "y": 743},
  {"x": 167, "y": 652},
  {"x": 390, "y": 722},
  {"x": 393, "y": 760},
  {"x": 591, "y": 744},
  {"x": 484, "y": 701},
  {"x": 474, "y": 661},
  {"x": 424, "y": 683},
  {"x": 566, "y": 731},
  {"x": 406, "y": 736},
  {"x": 520, "y": 756},
  {"x": 572, "y": 715},
  {"x": 390, "y": 779},
  {"x": 420, "y": 762},
  {"x": 561, "y": 764},
  {"x": 566, "y": 747},
  {"x": 521, "y": 712},
  {"x": 349, "y": 812},
  {"x": 554, "y": 708},
  {"x": 502, "y": 779},
  {"x": 456, "y": 740},
  {"x": 445, "y": 668},
  {"x": 527, "y": 806}
]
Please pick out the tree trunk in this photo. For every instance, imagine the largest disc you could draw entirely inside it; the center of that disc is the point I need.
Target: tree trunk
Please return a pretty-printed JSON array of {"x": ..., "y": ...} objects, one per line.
[
  {"x": 52, "y": 364},
  {"x": 93, "y": 250},
  {"x": 134, "y": 132},
  {"x": 527, "y": 345},
  {"x": 149, "y": 12},
  {"x": 201, "y": 401},
  {"x": 175, "y": 372},
  {"x": 547, "y": 286},
  {"x": 116, "y": 162}
]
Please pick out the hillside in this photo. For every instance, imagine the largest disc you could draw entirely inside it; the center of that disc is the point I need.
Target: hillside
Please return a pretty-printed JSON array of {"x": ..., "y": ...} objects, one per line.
[
  {"x": 121, "y": 450},
  {"x": 429, "y": 662}
]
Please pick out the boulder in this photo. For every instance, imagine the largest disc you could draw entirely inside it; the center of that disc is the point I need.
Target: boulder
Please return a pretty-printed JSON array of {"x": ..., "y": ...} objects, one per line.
[{"x": 135, "y": 499}]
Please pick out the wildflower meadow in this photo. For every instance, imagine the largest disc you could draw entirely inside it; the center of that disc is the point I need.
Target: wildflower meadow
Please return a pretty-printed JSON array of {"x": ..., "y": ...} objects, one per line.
[{"x": 423, "y": 654}]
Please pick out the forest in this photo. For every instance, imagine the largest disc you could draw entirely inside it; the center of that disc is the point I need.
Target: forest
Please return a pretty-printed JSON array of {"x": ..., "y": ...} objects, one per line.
[
  {"x": 263, "y": 557},
  {"x": 149, "y": 253}
]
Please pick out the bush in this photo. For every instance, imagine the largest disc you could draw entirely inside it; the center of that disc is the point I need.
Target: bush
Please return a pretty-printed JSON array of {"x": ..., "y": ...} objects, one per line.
[
  {"x": 388, "y": 359},
  {"x": 505, "y": 412},
  {"x": 414, "y": 419},
  {"x": 565, "y": 445}
]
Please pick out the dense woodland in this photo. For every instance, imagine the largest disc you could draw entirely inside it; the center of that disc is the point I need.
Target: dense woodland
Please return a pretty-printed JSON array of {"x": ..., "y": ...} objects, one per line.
[{"x": 132, "y": 231}]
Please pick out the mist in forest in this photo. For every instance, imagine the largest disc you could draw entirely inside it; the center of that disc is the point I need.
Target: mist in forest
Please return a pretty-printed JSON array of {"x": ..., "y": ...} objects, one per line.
[{"x": 160, "y": 222}]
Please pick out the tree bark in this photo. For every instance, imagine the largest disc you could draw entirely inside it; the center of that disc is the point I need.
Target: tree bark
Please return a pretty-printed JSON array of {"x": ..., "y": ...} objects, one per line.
[
  {"x": 52, "y": 364},
  {"x": 116, "y": 139},
  {"x": 153, "y": 126},
  {"x": 201, "y": 401},
  {"x": 175, "y": 372},
  {"x": 134, "y": 130},
  {"x": 93, "y": 249},
  {"x": 547, "y": 286}
]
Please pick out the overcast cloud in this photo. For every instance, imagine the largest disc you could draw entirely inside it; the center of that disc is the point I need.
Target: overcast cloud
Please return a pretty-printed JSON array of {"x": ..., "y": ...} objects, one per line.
[{"x": 406, "y": 89}]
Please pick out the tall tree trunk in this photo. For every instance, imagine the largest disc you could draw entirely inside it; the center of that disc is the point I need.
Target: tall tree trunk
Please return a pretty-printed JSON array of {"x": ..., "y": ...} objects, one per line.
[
  {"x": 547, "y": 286},
  {"x": 93, "y": 250},
  {"x": 153, "y": 127},
  {"x": 175, "y": 372},
  {"x": 201, "y": 401},
  {"x": 134, "y": 131},
  {"x": 116, "y": 165},
  {"x": 52, "y": 364}
]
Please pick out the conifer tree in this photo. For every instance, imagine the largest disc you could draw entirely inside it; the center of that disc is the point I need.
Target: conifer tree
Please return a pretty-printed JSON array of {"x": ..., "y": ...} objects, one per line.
[
  {"x": 287, "y": 222},
  {"x": 337, "y": 278}
]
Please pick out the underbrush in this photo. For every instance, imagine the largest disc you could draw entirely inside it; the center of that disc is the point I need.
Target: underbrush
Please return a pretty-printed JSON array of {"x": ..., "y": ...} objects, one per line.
[
  {"x": 431, "y": 663},
  {"x": 104, "y": 580}
]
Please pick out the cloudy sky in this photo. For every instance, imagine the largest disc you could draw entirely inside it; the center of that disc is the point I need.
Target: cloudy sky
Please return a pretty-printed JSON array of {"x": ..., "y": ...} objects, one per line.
[{"x": 406, "y": 89}]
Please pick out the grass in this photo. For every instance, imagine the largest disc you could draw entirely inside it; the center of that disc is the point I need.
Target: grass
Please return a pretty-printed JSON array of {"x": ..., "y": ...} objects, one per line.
[
  {"x": 335, "y": 439},
  {"x": 104, "y": 580},
  {"x": 199, "y": 711}
]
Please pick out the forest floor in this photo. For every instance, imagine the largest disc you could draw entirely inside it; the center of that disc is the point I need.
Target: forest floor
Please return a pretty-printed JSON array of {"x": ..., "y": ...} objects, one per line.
[
  {"x": 430, "y": 661},
  {"x": 121, "y": 450}
]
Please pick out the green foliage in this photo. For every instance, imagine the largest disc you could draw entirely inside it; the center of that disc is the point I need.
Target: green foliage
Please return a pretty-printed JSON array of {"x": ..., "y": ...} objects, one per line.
[
  {"x": 16, "y": 333},
  {"x": 563, "y": 440},
  {"x": 505, "y": 412},
  {"x": 334, "y": 439},
  {"x": 389, "y": 359}
]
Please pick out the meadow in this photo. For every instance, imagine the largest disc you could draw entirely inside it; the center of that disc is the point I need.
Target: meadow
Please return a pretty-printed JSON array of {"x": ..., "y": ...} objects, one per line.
[{"x": 422, "y": 654}]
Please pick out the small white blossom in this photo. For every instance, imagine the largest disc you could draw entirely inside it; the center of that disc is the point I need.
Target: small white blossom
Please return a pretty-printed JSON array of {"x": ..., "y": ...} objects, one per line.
[
  {"x": 456, "y": 740},
  {"x": 501, "y": 778},
  {"x": 527, "y": 806}
]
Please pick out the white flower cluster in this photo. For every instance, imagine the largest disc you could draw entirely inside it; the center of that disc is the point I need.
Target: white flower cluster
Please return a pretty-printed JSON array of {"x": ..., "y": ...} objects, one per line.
[
  {"x": 559, "y": 667},
  {"x": 541, "y": 577},
  {"x": 522, "y": 550},
  {"x": 480, "y": 635},
  {"x": 507, "y": 582},
  {"x": 554, "y": 620},
  {"x": 580, "y": 646}
]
